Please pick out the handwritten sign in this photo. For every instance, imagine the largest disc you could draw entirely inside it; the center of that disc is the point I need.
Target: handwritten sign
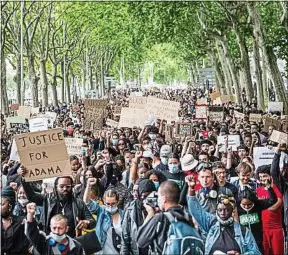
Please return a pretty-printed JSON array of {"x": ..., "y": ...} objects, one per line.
[
  {"x": 95, "y": 111},
  {"x": 201, "y": 111},
  {"x": 137, "y": 102},
  {"x": 162, "y": 109},
  {"x": 214, "y": 95},
  {"x": 275, "y": 106},
  {"x": 216, "y": 113},
  {"x": 24, "y": 111},
  {"x": 44, "y": 154},
  {"x": 132, "y": 117},
  {"x": 255, "y": 117},
  {"x": 74, "y": 146},
  {"x": 239, "y": 115},
  {"x": 279, "y": 137},
  {"x": 233, "y": 141},
  {"x": 38, "y": 124},
  {"x": 183, "y": 129},
  {"x": 263, "y": 156},
  {"x": 112, "y": 123},
  {"x": 202, "y": 101},
  {"x": 14, "y": 107},
  {"x": 271, "y": 122}
]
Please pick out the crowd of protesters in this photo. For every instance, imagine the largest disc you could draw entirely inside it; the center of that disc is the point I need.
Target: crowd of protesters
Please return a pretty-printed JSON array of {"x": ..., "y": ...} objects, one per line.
[{"x": 134, "y": 191}]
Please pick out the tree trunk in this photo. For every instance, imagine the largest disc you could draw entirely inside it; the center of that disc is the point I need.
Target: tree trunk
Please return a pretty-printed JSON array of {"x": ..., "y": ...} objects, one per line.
[
  {"x": 4, "y": 97},
  {"x": 225, "y": 69},
  {"x": 67, "y": 83},
  {"x": 245, "y": 65},
  {"x": 63, "y": 83},
  {"x": 265, "y": 81},
  {"x": 268, "y": 56},
  {"x": 54, "y": 85},
  {"x": 258, "y": 74},
  {"x": 17, "y": 78},
  {"x": 44, "y": 81},
  {"x": 218, "y": 74},
  {"x": 233, "y": 71},
  {"x": 33, "y": 79}
]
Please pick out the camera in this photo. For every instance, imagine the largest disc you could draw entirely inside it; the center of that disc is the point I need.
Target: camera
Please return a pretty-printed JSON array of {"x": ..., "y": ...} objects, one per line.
[{"x": 152, "y": 199}]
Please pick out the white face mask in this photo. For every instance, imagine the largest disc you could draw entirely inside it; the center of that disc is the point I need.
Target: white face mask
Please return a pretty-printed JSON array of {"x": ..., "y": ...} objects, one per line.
[
  {"x": 23, "y": 202},
  {"x": 164, "y": 161},
  {"x": 152, "y": 136},
  {"x": 57, "y": 238},
  {"x": 111, "y": 210}
]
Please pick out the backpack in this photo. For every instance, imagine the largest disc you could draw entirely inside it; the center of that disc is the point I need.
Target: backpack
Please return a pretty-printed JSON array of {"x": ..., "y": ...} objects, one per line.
[{"x": 182, "y": 239}]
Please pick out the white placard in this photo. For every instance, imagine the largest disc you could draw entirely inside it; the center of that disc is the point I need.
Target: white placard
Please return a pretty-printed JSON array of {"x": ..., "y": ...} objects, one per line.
[
  {"x": 263, "y": 156},
  {"x": 233, "y": 141},
  {"x": 38, "y": 124},
  {"x": 73, "y": 146},
  {"x": 275, "y": 106},
  {"x": 14, "y": 152},
  {"x": 201, "y": 111}
]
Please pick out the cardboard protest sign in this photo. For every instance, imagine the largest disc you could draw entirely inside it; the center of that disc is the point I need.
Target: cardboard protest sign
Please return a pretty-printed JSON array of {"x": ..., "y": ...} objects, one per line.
[
  {"x": 95, "y": 112},
  {"x": 117, "y": 110},
  {"x": 263, "y": 156},
  {"x": 14, "y": 107},
  {"x": 233, "y": 141},
  {"x": 73, "y": 146},
  {"x": 24, "y": 111},
  {"x": 38, "y": 124},
  {"x": 44, "y": 154},
  {"x": 201, "y": 111},
  {"x": 214, "y": 95},
  {"x": 279, "y": 137},
  {"x": 239, "y": 115},
  {"x": 275, "y": 106},
  {"x": 14, "y": 152},
  {"x": 216, "y": 113},
  {"x": 137, "y": 102},
  {"x": 184, "y": 129},
  {"x": 255, "y": 117},
  {"x": 112, "y": 123},
  {"x": 162, "y": 109},
  {"x": 202, "y": 101},
  {"x": 132, "y": 117},
  {"x": 271, "y": 122},
  {"x": 224, "y": 99}
]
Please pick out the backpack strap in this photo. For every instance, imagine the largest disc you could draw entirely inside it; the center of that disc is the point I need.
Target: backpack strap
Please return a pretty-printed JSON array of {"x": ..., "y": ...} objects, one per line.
[{"x": 169, "y": 216}]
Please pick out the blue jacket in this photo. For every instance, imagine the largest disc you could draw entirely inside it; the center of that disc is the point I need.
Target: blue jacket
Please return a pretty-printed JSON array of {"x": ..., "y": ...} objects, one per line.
[
  {"x": 209, "y": 223},
  {"x": 103, "y": 220}
]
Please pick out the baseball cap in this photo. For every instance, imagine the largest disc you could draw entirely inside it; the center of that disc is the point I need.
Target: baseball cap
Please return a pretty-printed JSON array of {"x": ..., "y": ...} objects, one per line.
[{"x": 147, "y": 154}]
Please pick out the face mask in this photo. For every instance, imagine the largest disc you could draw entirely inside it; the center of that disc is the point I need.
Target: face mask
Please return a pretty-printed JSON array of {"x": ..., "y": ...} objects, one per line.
[
  {"x": 246, "y": 210},
  {"x": 164, "y": 160},
  {"x": 23, "y": 202},
  {"x": 173, "y": 169},
  {"x": 159, "y": 202},
  {"x": 111, "y": 210},
  {"x": 57, "y": 238},
  {"x": 114, "y": 142},
  {"x": 156, "y": 184},
  {"x": 152, "y": 136}
]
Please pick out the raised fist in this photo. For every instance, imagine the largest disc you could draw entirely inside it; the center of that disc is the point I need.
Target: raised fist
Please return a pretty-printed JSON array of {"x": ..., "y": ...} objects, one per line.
[
  {"x": 190, "y": 180},
  {"x": 31, "y": 208}
]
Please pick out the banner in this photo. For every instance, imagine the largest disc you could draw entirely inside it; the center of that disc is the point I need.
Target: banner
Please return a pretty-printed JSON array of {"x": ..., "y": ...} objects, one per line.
[
  {"x": 201, "y": 111},
  {"x": 73, "y": 146},
  {"x": 255, "y": 117},
  {"x": 275, "y": 106},
  {"x": 44, "y": 154},
  {"x": 132, "y": 117},
  {"x": 137, "y": 102},
  {"x": 263, "y": 156},
  {"x": 233, "y": 141},
  {"x": 184, "y": 129},
  {"x": 279, "y": 137},
  {"x": 38, "y": 124},
  {"x": 162, "y": 109}
]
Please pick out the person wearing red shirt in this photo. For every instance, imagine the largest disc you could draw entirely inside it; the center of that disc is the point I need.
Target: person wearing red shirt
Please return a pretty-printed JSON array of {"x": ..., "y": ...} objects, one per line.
[{"x": 272, "y": 220}]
